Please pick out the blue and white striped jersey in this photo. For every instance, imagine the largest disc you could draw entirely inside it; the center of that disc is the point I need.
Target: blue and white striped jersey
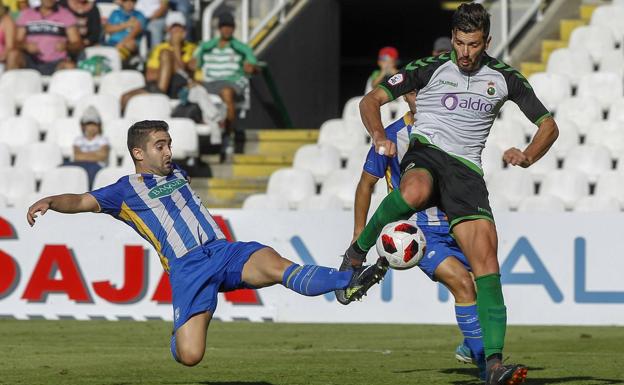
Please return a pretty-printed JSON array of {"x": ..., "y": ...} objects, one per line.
[
  {"x": 381, "y": 166},
  {"x": 161, "y": 209}
]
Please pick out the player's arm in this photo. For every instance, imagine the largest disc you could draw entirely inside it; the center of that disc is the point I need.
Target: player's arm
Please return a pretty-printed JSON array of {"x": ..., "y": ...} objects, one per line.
[
  {"x": 74, "y": 41},
  {"x": 521, "y": 92},
  {"x": 363, "y": 195},
  {"x": 544, "y": 138},
  {"x": 64, "y": 203},
  {"x": 370, "y": 112}
]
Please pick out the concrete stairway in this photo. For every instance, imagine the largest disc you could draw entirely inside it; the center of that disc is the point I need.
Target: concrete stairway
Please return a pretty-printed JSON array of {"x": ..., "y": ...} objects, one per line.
[{"x": 265, "y": 152}]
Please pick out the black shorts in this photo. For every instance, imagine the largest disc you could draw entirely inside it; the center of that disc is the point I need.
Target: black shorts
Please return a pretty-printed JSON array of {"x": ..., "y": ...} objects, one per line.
[
  {"x": 177, "y": 83},
  {"x": 45, "y": 68},
  {"x": 458, "y": 189}
]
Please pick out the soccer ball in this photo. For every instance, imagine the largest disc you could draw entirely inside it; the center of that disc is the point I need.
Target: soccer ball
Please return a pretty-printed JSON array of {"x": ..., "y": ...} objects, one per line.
[{"x": 402, "y": 243}]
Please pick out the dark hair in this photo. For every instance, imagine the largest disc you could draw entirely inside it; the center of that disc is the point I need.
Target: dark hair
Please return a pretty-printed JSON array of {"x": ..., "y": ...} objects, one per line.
[
  {"x": 138, "y": 132},
  {"x": 471, "y": 17}
]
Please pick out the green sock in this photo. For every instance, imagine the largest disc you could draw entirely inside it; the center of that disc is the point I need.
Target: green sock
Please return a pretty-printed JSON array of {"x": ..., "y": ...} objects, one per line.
[
  {"x": 492, "y": 312},
  {"x": 392, "y": 208}
]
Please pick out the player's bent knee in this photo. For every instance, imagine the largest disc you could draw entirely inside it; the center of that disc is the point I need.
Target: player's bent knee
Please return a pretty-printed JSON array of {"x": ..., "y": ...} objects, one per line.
[{"x": 190, "y": 356}]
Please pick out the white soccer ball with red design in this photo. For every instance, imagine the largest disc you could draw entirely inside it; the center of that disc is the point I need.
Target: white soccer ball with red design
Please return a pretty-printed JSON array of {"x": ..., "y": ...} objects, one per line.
[{"x": 402, "y": 243}]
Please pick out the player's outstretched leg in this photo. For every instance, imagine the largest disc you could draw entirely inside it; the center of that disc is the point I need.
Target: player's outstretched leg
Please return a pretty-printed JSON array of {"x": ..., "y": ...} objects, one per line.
[{"x": 188, "y": 343}]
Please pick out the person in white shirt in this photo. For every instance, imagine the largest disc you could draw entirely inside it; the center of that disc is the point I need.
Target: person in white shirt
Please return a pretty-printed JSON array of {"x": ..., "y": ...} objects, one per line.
[{"x": 91, "y": 148}]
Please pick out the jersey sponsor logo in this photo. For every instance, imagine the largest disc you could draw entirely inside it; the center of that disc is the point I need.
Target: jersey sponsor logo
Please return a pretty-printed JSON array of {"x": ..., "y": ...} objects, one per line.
[
  {"x": 166, "y": 189},
  {"x": 452, "y": 101},
  {"x": 447, "y": 83},
  {"x": 396, "y": 79}
]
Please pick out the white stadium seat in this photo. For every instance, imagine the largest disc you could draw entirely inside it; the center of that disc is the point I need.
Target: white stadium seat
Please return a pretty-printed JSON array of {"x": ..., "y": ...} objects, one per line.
[
  {"x": 21, "y": 83},
  {"x": 106, "y": 9},
  {"x": 4, "y": 201},
  {"x": 616, "y": 110},
  {"x": 611, "y": 185},
  {"x": 72, "y": 84},
  {"x": 39, "y": 157},
  {"x": 611, "y": 17},
  {"x": 592, "y": 160},
  {"x": 64, "y": 132},
  {"x": 265, "y": 202},
  {"x": 343, "y": 134},
  {"x": 570, "y": 63},
  {"x": 22, "y": 183},
  {"x": 116, "y": 131},
  {"x": 108, "y": 176},
  {"x": 597, "y": 204},
  {"x": 319, "y": 159},
  {"x": 351, "y": 110},
  {"x": 513, "y": 184},
  {"x": 66, "y": 179},
  {"x": 357, "y": 156},
  {"x": 544, "y": 166},
  {"x": 5, "y": 155},
  {"x": 117, "y": 83},
  {"x": 613, "y": 61},
  {"x": 397, "y": 107},
  {"x": 107, "y": 106},
  {"x": 343, "y": 184},
  {"x": 551, "y": 88},
  {"x": 498, "y": 204},
  {"x": 567, "y": 185},
  {"x": 45, "y": 109},
  {"x": 321, "y": 202},
  {"x": 148, "y": 106},
  {"x": 7, "y": 105},
  {"x": 491, "y": 160},
  {"x": 185, "y": 142},
  {"x": 291, "y": 185},
  {"x": 609, "y": 134},
  {"x": 595, "y": 39},
  {"x": 110, "y": 53},
  {"x": 542, "y": 204},
  {"x": 18, "y": 131},
  {"x": 510, "y": 110},
  {"x": 569, "y": 137},
  {"x": 604, "y": 87},
  {"x": 505, "y": 134},
  {"x": 584, "y": 112}
]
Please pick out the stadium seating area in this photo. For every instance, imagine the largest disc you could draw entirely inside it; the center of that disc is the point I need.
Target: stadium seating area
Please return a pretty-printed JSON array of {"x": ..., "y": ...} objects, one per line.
[
  {"x": 582, "y": 86},
  {"x": 39, "y": 120}
]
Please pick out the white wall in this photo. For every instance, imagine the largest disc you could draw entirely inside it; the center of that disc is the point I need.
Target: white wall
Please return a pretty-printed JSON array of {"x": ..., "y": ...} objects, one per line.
[{"x": 557, "y": 269}]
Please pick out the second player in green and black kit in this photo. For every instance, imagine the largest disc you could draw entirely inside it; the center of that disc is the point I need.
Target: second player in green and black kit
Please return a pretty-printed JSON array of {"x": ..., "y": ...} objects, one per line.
[
  {"x": 459, "y": 96},
  {"x": 454, "y": 117}
]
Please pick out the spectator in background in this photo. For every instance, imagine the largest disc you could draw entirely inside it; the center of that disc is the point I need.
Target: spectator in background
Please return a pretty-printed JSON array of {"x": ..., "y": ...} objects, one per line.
[
  {"x": 46, "y": 35},
  {"x": 168, "y": 66},
  {"x": 88, "y": 20},
  {"x": 91, "y": 148},
  {"x": 7, "y": 33},
  {"x": 387, "y": 61},
  {"x": 441, "y": 45},
  {"x": 155, "y": 12},
  {"x": 124, "y": 27},
  {"x": 225, "y": 64}
]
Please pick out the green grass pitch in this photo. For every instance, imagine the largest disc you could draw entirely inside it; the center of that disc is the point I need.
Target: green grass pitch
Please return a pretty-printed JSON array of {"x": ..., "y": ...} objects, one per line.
[{"x": 241, "y": 353}]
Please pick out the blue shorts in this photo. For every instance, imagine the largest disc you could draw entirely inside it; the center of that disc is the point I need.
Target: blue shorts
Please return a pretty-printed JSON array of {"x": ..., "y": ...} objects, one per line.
[
  {"x": 203, "y": 272},
  {"x": 439, "y": 247}
]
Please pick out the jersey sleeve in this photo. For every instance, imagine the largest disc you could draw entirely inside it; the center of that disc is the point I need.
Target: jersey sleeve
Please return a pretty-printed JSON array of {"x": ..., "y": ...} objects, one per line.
[
  {"x": 413, "y": 76},
  {"x": 521, "y": 93},
  {"x": 375, "y": 164},
  {"x": 110, "y": 197}
]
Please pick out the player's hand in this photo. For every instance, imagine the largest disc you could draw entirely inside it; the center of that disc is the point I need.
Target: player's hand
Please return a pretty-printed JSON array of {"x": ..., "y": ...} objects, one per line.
[
  {"x": 515, "y": 157},
  {"x": 385, "y": 147},
  {"x": 41, "y": 206}
]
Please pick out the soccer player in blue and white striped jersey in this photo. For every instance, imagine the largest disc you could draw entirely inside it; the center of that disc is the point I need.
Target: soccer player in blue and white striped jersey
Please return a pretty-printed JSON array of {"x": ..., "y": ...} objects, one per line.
[
  {"x": 158, "y": 203},
  {"x": 444, "y": 260}
]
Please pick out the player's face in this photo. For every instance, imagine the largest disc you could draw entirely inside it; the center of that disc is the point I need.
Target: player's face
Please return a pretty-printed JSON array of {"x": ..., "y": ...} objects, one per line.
[
  {"x": 469, "y": 47},
  {"x": 157, "y": 153},
  {"x": 410, "y": 99}
]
